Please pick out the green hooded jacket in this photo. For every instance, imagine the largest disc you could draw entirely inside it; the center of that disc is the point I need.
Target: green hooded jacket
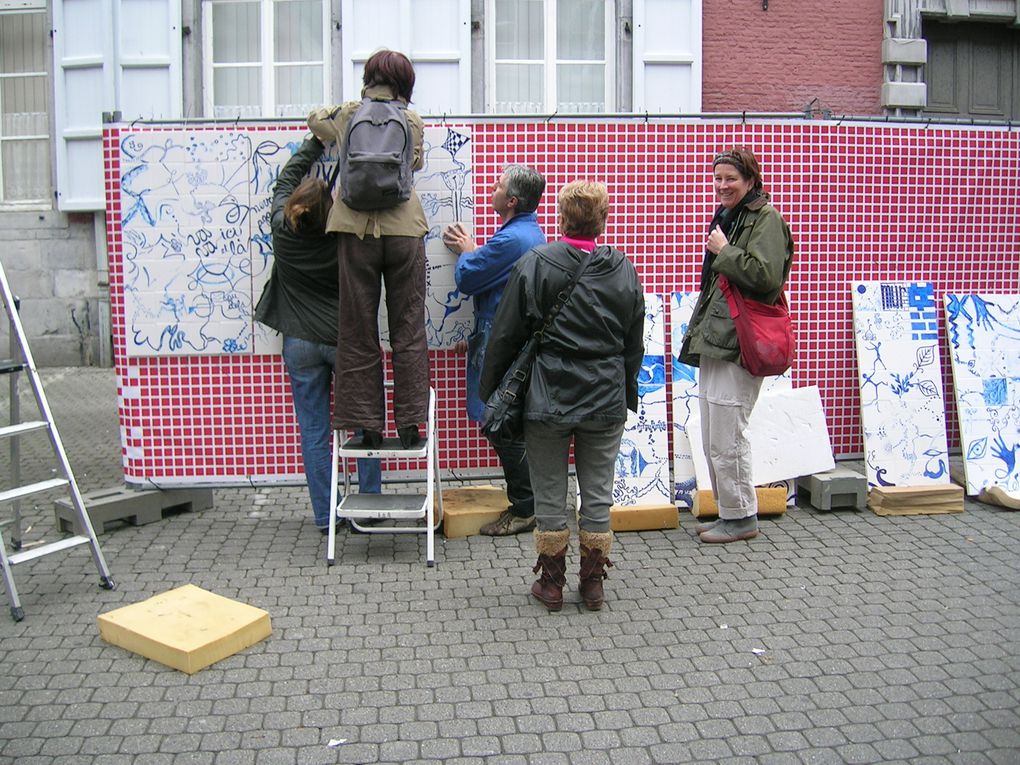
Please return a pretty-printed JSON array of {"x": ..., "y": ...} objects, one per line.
[{"x": 757, "y": 259}]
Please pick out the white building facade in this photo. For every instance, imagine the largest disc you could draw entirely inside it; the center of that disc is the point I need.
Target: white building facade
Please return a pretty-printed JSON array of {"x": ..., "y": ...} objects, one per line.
[{"x": 68, "y": 65}]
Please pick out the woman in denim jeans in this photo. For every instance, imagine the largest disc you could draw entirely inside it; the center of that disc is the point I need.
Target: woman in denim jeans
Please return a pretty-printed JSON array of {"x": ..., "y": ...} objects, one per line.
[{"x": 301, "y": 301}]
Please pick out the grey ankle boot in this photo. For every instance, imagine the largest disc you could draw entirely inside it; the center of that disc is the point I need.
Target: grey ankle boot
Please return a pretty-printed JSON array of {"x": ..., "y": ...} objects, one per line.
[
  {"x": 701, "y": 528},
  {"x": 731, "y": 531}
]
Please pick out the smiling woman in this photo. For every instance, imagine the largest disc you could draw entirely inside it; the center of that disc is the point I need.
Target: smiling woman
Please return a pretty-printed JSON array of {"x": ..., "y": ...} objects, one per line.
[{"x": 749, "y": 243}]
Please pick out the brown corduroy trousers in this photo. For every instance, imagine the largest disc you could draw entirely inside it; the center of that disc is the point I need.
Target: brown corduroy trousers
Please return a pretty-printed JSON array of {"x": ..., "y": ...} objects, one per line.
[{"x": 365, "y": 265}]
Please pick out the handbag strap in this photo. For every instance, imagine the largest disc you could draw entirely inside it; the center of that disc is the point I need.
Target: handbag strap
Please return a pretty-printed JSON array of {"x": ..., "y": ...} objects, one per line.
[
  {"x": 735, "y": 297},
  {"x": 564, "y": 294}
]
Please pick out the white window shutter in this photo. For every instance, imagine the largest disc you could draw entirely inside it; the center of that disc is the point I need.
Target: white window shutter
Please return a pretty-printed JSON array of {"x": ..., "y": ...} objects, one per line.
[
  {"x": 149, "y": 83},
  {"x": 434, "y": 34},
  {"x": 108, "y": 55},
  {"x": 83, "y": 86},
  {"x": 667, "y": 56}
]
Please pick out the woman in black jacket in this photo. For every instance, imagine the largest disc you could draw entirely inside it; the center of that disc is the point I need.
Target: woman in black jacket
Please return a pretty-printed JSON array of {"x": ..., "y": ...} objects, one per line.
[
  {"x": 583, "y": 381},
  {"x": 301, "y": 301}
]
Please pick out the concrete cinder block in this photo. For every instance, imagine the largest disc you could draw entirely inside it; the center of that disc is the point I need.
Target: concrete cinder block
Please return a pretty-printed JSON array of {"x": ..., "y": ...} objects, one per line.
[
  {"x": 187, "y": 628},
  {"x": 130, "y": 506},
  {"x": 839, "y": 487}
]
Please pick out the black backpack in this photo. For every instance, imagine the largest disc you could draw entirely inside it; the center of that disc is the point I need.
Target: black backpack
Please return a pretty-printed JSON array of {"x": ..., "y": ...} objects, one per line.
[{"x": 376, "y": 157}]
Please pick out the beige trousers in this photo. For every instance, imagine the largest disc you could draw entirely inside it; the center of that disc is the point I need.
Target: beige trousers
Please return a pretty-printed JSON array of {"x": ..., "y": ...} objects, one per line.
[{"x": 727, "y": 395}]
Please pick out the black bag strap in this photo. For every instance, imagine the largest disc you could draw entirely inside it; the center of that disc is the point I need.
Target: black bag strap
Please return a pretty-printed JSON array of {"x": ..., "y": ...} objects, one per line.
[
  {"x": 334, "y": 174},
  {"x": 339, "y": 159},
  {"x": 564, "y": 294}
]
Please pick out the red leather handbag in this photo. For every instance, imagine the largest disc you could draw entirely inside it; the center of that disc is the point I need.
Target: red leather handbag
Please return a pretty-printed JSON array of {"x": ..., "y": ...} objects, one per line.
[{"x": 765, "y": 332}]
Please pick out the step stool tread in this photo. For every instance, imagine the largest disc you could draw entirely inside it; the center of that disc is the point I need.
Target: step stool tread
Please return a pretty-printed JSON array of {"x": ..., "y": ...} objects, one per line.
[{"x": 382, "y": 506}]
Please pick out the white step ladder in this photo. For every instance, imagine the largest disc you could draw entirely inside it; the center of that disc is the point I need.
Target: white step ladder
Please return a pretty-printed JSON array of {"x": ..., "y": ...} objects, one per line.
[
  {"x": 400, "y": 507},
  {"x": 22, "y": 362}
]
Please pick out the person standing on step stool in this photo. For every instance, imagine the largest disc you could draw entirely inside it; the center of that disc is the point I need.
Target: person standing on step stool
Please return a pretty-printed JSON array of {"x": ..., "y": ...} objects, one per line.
[
  {"x": 583, "y": 381},
  {"x": 380, "y": 241},
  {"x": 300, "y": 300},
  {"x": 482, "y": 272}
]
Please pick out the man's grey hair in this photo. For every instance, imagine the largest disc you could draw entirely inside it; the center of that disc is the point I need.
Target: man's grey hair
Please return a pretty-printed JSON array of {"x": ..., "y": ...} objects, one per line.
[{"x": 525, "y": 183}]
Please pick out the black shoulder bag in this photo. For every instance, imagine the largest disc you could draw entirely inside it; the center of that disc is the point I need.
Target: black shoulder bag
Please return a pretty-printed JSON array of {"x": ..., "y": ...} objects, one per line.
[{"x": 503, "y": 418}]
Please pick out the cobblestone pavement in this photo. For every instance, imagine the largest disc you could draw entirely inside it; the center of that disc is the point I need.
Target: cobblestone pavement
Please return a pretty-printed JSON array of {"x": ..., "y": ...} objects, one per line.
[{"x": 837, "y": 637}]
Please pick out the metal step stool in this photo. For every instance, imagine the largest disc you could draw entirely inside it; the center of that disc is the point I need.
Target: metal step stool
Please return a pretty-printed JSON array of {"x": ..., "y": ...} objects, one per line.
[
  {"x": 130, "y": 505},
  {"x": 410, "y": 508},
  {"x": 839, "y": 487}
]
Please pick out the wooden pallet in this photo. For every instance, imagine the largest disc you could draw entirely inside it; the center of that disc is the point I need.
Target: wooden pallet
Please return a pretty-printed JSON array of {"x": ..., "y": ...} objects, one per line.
[{"x": 916, "y": 500}]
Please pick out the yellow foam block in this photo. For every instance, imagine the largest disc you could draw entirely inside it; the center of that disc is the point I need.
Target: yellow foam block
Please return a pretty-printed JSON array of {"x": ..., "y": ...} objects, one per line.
[
  {"x": 643, "y": 517},
  {"x": 465, "y": 511},
  {"x": 187, "y": 628},
  {"x": 771, "y": 501}
]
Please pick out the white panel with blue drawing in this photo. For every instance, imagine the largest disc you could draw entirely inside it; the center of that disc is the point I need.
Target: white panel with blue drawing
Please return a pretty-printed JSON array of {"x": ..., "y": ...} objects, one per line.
[
  {"x": 685, "y": 399},
  {"x": 984, "y": 342},
  {"x": 642, "y": 466},
  {"x": 900, "y": 380},
  {"x": 197, "y": 245}
]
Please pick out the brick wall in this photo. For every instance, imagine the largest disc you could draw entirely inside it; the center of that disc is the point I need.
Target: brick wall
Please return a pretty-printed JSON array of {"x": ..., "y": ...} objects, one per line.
[
  {"x": 779, "y": 60},
  {"x": 50, "y": 261}
]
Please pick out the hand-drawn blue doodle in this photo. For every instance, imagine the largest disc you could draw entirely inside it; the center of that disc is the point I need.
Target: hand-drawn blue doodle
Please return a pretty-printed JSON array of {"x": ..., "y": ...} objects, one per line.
[
  {"x": 900, "y": 383},
  {"x": 984, "y": 340},
  {"x": 197, "y": 245}
]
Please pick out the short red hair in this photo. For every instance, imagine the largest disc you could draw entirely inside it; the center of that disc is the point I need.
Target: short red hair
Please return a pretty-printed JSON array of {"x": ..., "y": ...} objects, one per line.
[{"x": 389, "y": 67}]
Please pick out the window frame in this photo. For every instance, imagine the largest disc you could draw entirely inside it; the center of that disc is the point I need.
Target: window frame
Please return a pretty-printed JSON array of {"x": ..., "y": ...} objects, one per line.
[
  {"x": 267, "y": 65},
  {"x": 551, "y": 61},
  {"x": 18, "y": 7}
]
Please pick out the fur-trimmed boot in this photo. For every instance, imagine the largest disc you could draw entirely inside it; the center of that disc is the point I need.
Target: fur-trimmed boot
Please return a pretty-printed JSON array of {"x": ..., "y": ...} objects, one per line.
[
  {"x": 594, "y": 562},
  {"x": 551, "y": 547}
]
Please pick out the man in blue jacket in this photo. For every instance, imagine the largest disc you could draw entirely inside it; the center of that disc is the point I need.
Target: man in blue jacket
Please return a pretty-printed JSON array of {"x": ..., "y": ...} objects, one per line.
[{"x": 482, "y": 272}]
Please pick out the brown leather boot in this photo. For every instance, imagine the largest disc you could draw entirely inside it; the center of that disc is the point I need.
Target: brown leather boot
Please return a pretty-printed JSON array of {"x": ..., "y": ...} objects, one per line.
[
  {"x": 552, "y": 560},
  {"x": 594, "y": 562}
]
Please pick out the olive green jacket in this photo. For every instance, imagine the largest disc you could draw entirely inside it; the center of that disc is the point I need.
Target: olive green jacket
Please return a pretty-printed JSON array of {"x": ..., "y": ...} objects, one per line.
[
  {"x": 757, "y": 260},
  {"x": 329, "y": 124}
]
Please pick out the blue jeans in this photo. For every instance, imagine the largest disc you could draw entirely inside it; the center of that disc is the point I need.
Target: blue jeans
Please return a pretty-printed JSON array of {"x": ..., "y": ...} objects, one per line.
[{"x": 310, "y": 367}]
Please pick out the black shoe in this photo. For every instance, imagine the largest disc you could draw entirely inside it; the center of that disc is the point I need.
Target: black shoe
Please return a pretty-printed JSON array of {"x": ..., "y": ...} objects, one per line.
[
  {"x": 409, "y": 436},
  {"x": 371, "y": 439}
]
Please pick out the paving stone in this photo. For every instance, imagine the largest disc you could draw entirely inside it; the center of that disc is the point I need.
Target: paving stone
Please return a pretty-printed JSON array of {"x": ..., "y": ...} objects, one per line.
[{"x": 885, "y": 640}]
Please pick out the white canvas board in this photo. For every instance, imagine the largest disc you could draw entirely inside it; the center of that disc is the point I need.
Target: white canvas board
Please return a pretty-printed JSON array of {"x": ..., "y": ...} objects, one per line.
[
  {"x": 197, "y": 244},
  {"x": 900, "y": 379},
  {"x": 788, "y": 435},
  {"x": 642, "y": 466},
  {"x": 983, "y": 333}
]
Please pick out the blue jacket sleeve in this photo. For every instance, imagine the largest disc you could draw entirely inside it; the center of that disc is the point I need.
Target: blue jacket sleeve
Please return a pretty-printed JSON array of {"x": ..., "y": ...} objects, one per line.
[{"x": 489, "y": 266}]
